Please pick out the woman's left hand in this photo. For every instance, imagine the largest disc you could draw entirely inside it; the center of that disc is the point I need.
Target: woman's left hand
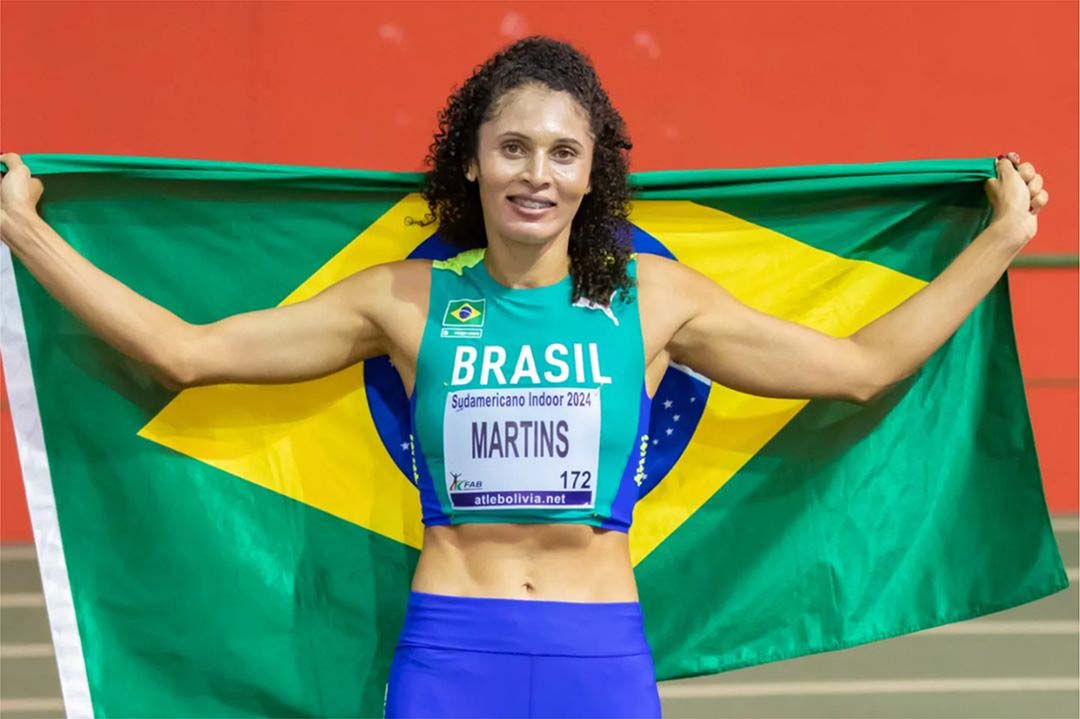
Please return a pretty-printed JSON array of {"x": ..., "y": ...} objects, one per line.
[{"x": 1017, "y": 195}]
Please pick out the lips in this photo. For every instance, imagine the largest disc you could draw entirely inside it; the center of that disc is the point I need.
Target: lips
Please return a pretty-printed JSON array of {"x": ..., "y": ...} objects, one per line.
[
  {"x": 535, "y": 211},
  {"x": 531, "y": 202}
]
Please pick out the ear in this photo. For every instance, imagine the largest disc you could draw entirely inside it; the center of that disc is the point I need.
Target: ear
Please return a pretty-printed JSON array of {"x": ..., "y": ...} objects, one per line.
[{"x": 472, "y": 171}]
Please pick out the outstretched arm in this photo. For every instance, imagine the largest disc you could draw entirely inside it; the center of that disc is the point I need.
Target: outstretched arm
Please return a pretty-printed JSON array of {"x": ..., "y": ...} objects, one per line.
[
  {"x": 332, "y": 330},
  {"x": 757, "y": 353}
]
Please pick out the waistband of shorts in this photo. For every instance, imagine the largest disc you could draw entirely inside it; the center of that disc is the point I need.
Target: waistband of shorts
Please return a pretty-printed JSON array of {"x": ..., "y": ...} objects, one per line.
[{"x": 524, "y": 626}]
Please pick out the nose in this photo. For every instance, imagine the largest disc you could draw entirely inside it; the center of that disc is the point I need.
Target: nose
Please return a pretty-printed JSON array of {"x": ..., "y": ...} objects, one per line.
[{"x": 536, "y": 169}]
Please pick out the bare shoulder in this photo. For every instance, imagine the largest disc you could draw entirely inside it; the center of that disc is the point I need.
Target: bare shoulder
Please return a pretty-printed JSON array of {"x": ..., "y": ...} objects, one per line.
[
  {"x": 414, "y": 275},
  {"x": 660, "y": 271},
  {"x": 404, "y": 269},
  {"x": 400, "y": 286},
  {"x": 668, "y": 283},
  {"x": 396, "y": 300},
  {"x": 386, "y": 293},
  {"x": 669, "y": 295},
  {"x": 416, "y": 266},
  {"x": 655, "y": 269},
  {"x": 403, "y": 280}
]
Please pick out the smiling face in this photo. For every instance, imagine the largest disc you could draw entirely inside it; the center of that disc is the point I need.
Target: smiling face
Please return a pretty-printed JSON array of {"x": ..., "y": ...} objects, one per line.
[{"x": 532, "y": 165}]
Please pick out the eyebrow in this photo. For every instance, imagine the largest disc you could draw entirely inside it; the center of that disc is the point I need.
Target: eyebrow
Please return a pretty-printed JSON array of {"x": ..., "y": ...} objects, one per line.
[{"x": 565, "y": 140}]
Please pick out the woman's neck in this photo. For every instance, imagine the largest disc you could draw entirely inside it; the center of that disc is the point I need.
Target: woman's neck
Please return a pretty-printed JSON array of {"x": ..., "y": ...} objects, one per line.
[{"x": 519, "y": 265}]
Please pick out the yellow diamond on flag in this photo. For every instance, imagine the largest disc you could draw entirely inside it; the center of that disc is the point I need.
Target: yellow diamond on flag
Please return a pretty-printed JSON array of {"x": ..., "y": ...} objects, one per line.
[
  {"x": 313, "y": 441},
  {"x": 772, "y": 273}
]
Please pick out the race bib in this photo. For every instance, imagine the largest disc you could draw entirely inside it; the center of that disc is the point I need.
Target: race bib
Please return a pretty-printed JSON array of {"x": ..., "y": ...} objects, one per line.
[{"x": 522, "y": 447}]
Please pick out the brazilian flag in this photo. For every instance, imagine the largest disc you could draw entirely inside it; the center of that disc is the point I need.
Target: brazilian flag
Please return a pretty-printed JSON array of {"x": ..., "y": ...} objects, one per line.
[{"x": 247, "y": 549}]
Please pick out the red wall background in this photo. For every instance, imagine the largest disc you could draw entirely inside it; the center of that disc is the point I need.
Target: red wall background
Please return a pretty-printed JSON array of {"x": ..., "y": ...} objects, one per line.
[{"x": 701, "y": 85}]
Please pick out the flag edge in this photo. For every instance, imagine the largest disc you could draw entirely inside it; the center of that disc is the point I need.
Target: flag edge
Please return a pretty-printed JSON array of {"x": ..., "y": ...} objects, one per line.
[{"x": 41, "y": 502}]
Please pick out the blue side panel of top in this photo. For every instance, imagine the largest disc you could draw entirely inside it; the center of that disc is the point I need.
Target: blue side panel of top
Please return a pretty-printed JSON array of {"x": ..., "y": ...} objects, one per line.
[
  {"x": 622, "y": 508},
  {"x": 431, "y": 507}
]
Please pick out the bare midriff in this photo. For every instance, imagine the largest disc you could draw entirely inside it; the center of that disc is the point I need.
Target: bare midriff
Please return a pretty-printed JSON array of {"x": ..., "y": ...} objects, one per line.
[{"x": 558, "y": 562}]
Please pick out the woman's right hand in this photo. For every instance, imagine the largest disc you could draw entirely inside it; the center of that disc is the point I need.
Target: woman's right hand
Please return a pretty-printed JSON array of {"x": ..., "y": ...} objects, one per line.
[{"x": 19, "y": 192}]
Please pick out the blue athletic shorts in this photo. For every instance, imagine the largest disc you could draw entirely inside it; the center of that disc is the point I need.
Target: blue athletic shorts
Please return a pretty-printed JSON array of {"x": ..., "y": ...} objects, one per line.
[{"x": 485, "y": 657}]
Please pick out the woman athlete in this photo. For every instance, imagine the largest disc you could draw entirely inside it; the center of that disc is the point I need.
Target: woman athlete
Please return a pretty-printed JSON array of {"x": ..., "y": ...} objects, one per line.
[{"x": 529, "y": 360}]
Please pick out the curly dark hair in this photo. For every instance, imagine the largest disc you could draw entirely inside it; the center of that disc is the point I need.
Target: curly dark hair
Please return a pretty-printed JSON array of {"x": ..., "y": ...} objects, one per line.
[{"x": 599, "y": 245}]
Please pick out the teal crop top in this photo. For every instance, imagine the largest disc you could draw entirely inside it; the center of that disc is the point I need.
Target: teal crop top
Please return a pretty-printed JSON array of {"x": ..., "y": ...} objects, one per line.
[{"x": 527, "y": 409}]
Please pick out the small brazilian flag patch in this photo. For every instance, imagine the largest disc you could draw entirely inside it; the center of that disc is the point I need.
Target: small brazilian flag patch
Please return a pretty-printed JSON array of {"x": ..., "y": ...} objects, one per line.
[{"x": 463, "y": 318}]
